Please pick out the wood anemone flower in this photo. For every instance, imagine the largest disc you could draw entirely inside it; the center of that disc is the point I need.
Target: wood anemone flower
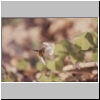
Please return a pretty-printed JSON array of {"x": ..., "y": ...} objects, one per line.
[{"x": 49, "y": 47}]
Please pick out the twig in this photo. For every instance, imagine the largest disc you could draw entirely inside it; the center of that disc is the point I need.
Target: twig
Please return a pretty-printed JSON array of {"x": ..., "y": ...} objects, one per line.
[{"x": 80, "y": 65}]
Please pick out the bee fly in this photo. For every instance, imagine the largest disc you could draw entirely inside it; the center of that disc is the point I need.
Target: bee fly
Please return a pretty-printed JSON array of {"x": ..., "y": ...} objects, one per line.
[{"x": 40, "y": 54}]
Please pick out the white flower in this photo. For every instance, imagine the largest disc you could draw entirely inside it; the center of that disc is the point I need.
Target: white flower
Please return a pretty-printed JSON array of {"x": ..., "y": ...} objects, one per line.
[{"x": 49, "y": 47}]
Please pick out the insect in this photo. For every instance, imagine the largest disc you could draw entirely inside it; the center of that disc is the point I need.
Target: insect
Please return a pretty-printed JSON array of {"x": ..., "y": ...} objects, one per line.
[
  {"x": 49, "y": 47},
  {"x": 40, "y": 54}
]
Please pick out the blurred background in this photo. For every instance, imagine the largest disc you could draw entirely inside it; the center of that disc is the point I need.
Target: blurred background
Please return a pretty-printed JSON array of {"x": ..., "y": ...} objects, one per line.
[{"x": 21, "y": 64}]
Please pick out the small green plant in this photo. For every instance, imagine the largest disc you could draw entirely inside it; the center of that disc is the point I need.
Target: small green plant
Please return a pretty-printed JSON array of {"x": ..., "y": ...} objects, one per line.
[{"x": 75, "y": 51}]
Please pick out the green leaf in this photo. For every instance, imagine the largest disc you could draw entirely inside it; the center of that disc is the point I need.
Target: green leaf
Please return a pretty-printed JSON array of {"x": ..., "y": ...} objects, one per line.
[
  {"x": 89, "y": 37},
  {"x": 80, "y": 35},
  {"x": 73, "y": 59},
  {"x": 55, "y": 78},
  {"x": 13, "y": 76},
  {"x": 95, "y": 57},
  {"x": 51, "y": 78},
  {"x": 44, "y": 78},
  {"x": 95, "y": 37},
  {"x": 40, "y": 66},
  {"x": 66, "y": 44},
  {"x": 59, "y": 50},
  {"x": 22, "y": 65},
  {"x": 51, "y": 65},
  {"x": 59, "y": 64},
  {"x": 85, "y": 44},
  {"x": 84, "y": 41},
  {"x": 7, "y": 80}
]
